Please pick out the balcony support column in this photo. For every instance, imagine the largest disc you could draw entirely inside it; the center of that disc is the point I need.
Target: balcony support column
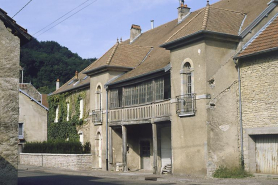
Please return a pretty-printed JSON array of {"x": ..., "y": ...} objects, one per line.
[
  {"x": 124, "y": 154},
  {"x": 154, "y": 130}
]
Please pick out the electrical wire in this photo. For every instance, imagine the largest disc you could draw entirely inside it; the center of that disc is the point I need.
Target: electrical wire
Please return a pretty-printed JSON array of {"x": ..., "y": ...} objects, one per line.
[
  {"x": 22, "y": 8},
  {"x": 61, "y": 17},
  {"x": 67, "y": 18}
]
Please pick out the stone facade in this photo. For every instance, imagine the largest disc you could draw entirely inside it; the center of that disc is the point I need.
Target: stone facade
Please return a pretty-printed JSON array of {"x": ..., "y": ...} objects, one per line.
[
  {"x": 63, "y": 161},
  {"x": 259, "y": 102},
  {"x": 9, "y": 67}
]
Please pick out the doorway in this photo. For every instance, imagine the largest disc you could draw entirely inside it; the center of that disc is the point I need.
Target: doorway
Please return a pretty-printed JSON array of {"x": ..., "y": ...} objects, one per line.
[
  {"x": 145, "y": 153},
  {"x": 99, "y": 149}
]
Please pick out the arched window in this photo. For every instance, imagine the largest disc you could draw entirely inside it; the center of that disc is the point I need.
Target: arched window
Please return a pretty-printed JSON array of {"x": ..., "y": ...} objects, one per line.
[
  {"x": 98, "y": 98},
  {"x": 186, "y": 101},
  {"x": 187, "y": 79}
]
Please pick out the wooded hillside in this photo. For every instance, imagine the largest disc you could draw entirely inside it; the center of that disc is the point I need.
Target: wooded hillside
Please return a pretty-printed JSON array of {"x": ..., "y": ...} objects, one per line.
[{"x": 45, "y": 62}]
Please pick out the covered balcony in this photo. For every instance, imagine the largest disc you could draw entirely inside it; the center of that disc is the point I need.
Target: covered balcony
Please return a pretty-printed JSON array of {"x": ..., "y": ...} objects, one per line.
[{"x": 147, "y": 113}]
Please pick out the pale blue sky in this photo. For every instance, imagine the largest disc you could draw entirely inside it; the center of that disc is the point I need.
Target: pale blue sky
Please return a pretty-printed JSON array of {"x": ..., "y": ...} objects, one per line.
[{"x": 92, "y": 31}]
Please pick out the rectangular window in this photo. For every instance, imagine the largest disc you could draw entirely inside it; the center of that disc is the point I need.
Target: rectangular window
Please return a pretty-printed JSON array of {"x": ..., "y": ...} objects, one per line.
[
  {"x": 159, "y": 89},
  {"x": 56, "y": 114},
  {"x": 20, "y": 131},
  {"x": 134, "y": 96},
  {"x": 149, "y": 93},
  {"x": 142, "y": 93},
  {"x": 114, "y": 100},
  {"x": 81, "y": 109},
  {"x": 68, "y": 108}
]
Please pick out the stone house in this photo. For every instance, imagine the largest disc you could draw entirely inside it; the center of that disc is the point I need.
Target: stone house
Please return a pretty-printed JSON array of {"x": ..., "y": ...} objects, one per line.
[
  {"x": 12, "y": 36},
  {"x": 169, "y": 99},
  {"x": 32, "y": 124},
  {"x": 257, "y": 65}
]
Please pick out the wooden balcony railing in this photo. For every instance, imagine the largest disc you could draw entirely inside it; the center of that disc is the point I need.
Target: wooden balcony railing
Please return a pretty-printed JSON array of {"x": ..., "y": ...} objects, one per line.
[{"x": 139, "y": 113}]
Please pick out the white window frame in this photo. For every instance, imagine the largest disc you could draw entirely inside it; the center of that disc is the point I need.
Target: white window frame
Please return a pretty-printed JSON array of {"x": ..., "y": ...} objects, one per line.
[
  {"x": 81, "y": 106},
  {"x": 68, "y": 108},
  {"x": 56, "y": 114}
]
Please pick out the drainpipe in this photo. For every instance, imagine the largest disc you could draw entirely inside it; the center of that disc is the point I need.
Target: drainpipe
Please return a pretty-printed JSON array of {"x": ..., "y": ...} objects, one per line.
[
  {"x": 240, "y": 114},
  {"x": 106, "y": 129}
]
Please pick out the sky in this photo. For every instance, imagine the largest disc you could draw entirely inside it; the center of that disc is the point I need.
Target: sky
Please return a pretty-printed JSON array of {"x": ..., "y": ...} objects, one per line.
[{"x": 94, "y": 25}]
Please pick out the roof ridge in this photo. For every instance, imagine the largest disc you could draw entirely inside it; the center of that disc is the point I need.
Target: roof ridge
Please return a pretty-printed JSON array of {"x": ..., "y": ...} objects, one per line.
[
  {"x": 205, "y": 21},
  {"x": 201, "y": 10},
  {"x": 229, "y": 10},
  {"x": 112, "y": 54}
]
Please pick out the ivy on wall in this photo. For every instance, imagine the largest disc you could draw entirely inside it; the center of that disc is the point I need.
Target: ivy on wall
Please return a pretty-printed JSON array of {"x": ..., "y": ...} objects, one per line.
[{"x": 64, "y": 129}]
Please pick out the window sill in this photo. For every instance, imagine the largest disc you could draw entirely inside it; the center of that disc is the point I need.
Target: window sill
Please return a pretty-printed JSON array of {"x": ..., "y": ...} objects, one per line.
[
  {"x": 186, "y": 114},
  {"x": 98, "y": 123}
]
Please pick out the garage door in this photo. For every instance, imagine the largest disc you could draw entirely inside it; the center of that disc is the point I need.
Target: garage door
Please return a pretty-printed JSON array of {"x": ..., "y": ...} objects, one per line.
[{"x": 266, "y": 154}]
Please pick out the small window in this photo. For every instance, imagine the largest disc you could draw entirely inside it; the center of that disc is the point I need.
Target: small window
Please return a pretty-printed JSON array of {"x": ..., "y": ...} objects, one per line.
[
  {"x": 68, "y": 108},
  {"x": 81, "y": 109},
  {"x": 20, "y": 131},
  {"x": 56, "y": 114},
  {"x": 81, "y": 137}
]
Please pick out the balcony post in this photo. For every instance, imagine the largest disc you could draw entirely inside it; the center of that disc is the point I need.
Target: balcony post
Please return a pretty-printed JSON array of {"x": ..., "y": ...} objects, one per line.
[
  {"x": 154, "y": 130},
  {"x": 124, "y": 154}
]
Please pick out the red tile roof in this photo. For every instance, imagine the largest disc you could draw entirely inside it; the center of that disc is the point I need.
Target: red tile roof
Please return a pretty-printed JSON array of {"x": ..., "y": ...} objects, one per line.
[{"x": 266, "y": 40}]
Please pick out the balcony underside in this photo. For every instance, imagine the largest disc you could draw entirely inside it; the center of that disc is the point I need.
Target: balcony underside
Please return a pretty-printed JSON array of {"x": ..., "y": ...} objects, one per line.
[{"x": 141, "y": 121}]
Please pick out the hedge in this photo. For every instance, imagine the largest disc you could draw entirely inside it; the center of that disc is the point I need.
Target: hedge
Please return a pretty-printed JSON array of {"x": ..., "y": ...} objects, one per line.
[{"x": 57, "y": 147}]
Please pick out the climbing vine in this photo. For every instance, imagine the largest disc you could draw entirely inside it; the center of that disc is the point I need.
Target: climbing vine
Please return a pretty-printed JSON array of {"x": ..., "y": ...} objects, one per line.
[{"x": 65, "y": 129}]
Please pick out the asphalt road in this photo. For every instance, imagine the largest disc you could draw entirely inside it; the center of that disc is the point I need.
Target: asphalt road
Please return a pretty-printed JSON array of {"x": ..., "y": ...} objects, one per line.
[{"x": 26, "y": 177}]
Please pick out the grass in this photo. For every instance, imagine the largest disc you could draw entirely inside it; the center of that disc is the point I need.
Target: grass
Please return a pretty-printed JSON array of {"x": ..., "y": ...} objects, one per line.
[{"x": 235, "y": 172}]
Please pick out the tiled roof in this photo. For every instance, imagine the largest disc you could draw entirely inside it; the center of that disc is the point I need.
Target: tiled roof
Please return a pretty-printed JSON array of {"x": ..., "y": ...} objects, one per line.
[
  {"x": 211, "y": 19},
  {"x": 225, "y": 16},
  {"x": 120, "y": 55},
  {"x": 16, "y": 29},
  {"x": 266, "y": 39}
]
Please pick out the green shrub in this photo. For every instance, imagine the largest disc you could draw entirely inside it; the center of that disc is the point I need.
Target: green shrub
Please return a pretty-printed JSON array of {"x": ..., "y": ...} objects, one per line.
[
  {"x": 236, "y": 172},
  {"x": 57, "y": 147}
]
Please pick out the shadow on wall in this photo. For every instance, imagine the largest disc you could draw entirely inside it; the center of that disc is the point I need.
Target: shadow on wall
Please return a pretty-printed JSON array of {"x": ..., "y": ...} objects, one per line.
[{"x": 8, "y": 173}]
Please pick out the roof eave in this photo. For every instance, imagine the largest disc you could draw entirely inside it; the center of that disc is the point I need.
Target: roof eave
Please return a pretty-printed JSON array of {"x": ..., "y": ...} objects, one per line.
[
  {"x": 200, "y": 35},
  {"x": 255, "y": 53},
  {"x": 138, "y": 76},
  {"x": 105, "y": 68},
  {"x": 83, "y": 86},
  {"x": 17, "y": 30}
]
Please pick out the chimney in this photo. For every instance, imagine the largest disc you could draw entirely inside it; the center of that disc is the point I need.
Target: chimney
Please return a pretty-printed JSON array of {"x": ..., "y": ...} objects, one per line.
[
  {"x": 135, "y": 32},
  {"x": 183, "y": 11},
  {"x": 57, "y": 84},
  {"x": 76, "y": 75},
  {"x": 152, "y": 24}
]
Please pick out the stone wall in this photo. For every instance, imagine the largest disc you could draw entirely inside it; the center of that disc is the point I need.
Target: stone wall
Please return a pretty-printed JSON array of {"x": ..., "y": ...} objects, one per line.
[
  {"x": 259, "y": 85},
  {"x": 64, "y": 161},
  {"x": 259, "y": 91},
  {"x": 9, "y": 67}
]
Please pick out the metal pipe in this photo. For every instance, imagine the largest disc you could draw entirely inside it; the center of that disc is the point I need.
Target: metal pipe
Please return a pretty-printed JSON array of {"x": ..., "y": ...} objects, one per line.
[
  {"x": 152, "y": 24},
  {"x": 240, "y": 114},
  {"x": 106, "y": 129}
]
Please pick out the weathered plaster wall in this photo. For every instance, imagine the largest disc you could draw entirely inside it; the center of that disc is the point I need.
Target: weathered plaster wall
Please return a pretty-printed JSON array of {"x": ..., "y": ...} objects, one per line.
[
  {"x": 63, "y": 161},
  {"x": 95, "y": 81},
  {"x": 223, "y": 119},
  {"x": 9, "y": 67},
  {"x": 34, "y": 119},
  {"x": 189, "y": 134}
]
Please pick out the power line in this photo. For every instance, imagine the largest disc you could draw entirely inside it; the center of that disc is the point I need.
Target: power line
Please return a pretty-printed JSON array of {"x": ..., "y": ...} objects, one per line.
[
  {"x": 61, "y": 17},
  {"x": 22, "y": 8},
  {"x": 67, "y": 17}
]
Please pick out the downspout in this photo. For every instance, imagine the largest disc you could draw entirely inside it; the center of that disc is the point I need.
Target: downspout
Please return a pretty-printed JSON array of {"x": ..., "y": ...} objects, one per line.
[
  {"x": 240, "y": 114},
  {"x": 106, "y": 129}
]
